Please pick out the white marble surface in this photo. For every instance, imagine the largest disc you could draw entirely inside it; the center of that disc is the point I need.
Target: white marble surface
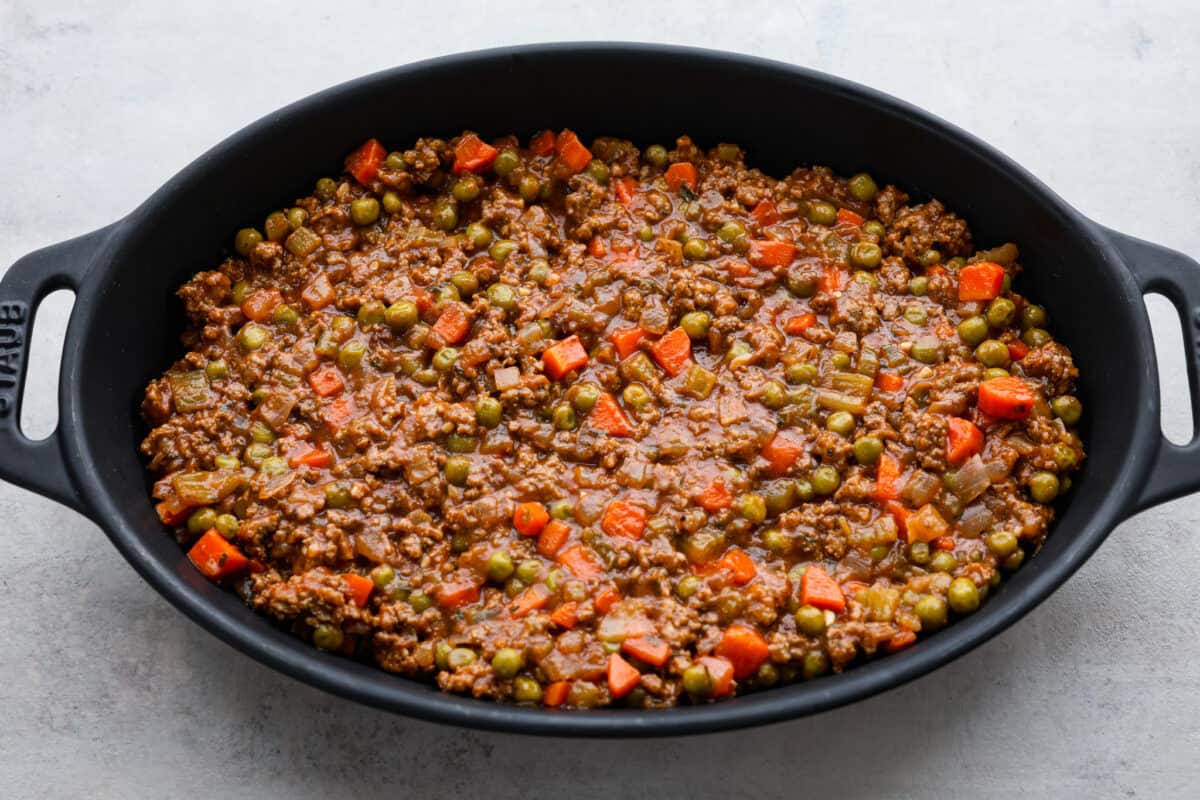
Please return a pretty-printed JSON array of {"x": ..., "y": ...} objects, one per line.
[{"x": 106, "y": 691}]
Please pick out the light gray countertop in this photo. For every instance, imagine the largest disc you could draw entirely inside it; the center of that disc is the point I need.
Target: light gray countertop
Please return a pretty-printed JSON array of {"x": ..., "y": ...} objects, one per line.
[{"x": 107, "y": 691}]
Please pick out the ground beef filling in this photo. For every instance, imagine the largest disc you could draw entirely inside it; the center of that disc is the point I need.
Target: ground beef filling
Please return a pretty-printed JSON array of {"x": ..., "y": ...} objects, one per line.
[{"x": 582, "y": 426}]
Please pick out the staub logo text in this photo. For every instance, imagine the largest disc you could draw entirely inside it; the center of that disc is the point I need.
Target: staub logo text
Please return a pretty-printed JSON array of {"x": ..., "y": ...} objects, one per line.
[{"x": 12, "y": 342}]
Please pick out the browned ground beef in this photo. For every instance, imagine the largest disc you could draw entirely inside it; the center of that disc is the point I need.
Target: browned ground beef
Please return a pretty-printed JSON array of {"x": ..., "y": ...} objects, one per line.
[{"x": 793, "y": 468}]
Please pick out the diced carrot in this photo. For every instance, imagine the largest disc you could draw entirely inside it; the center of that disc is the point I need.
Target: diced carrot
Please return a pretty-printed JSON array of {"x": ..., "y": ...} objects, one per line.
[
  {"x": 944, "y": 543},
  {"x": 530, "y": 518},
  {"x": 847, "y": 217},
  {"x": 1006, "y": 398},
  {"x": 542, "y": 144},
  {"x": 532, "y": 599},
  {"x": 887, "y": 478},
  {"x": 680, "y": 174},
  {"x": 622, "y": 676},
  {"x": 173, "y": 511},
  {"x": 720, "y": 671},
  {"x": 715, "y": 496},
  {"x": 799, "y": 323},
  {"x": 820, "y": 590},
  {"x": 624, "y": 519},
  {"x": 259, "y": 305},
  {"x": 215, "y": 557},
  {"x": 771, "y": 253},
  {"x": 571, "y": 151},
  {"x": 765, "y": 213},
  {"x": 580, "y": 563},
  {"x": 651, "y": 649},
  {"x": 564, "y": 356},
  {"x": 596, "y": 247},
  {"x": 739, "y": 565},
  {"x": 745, "y": 648},
  {"x": 889, "y": 381},
  {"x": 318, "y": 293},
  {"x": 457, "y": 593},
  {"x": 454, "y": 324},
  {"x": 326, "y": 381},
  {"x": 830, "y": 279},
  {"x": 926, "y": 524},
  {"x": 624, "y": 189},
  {"x": 981, "y": 281},
  {"x": 626, "y": 340},
  {"x": 673, "y": 352},
  {"x": 606, "y": 598},
  {"x": 608, "y": 416},
  {"x": 360, "y": 588},
  {"x": 963, "y": 440},
  {"x": 339, "y": 412},
  {"x": 566, "y": 615},
  {"x": 900, "y": 514},
  {"x": 423, "y": 301},
  {"x": 472, "y": 154},
  {"x": 316, "y": 457},
  {"x": 1017, "y": 349},
  {"x": 364, "y": 163},
  {"x": 900, "y": 641},
  {"x": 553, "y": 537},
  {"x": 737, "y": 269},
  {"x": 783, "y": 450},
  {"x": 556, "y": 694}
]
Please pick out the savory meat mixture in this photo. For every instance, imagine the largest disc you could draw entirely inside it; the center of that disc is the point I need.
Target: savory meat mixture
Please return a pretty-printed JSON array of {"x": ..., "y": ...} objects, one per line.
[{"x": 581, "y": 426}]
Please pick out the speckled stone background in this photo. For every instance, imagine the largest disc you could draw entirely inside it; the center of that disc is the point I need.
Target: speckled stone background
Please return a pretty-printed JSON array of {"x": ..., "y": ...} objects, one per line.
[{"x": 108, "y": 692}]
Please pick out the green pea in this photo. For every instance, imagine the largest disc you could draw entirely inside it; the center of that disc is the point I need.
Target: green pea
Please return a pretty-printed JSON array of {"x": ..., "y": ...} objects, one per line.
[
  {"x": 810, "y": 620},
  {"x": 1067, "y": 408},
  {"x": 840, "y": 360},
  {"x": 927, "y": 350},
  {"x": 466, "y": 188},
  {"x": 326, "y": 188},
  {"x": 227, "y": 525},
  {"x": 841, "y": 423},
  {"x": 457, "y": 470},
  {"x": 488, "y": 411},
  {"x": 867, "y": 255},
  {"x": 1003, "y": 543},
  {"x": 697, "y": 681},
  {"x": 995, "y": 372},
  {"x": 500, "y": 566},
  {"x": 636, "y": 396},
  {"x": 868, "y": 449},
  {"x": 825, "y": 480},
  {"x": 695, "y": 249},
  {"x": 598, "y": 170},
  {"x": 973, "y": 330},
  {"x": 1043, "y": 487},
  {"x": 815, "y": 664},
  {"x": 337, "y": 495},
  {"x": 526, "y": 690},
  {"x": 246, "y": 240},
  {"x": 527, "y": 571},
  {"x": 1036, "y": 337},
  {"x": 401, "y": 315},
  {"x": 1033, "y": 316},
  {"x": 445, "y": 215},
  {"x": 529, "y": 187},
  {"x": 873, "y": 227},
  {"x": 506, "y": 162},
  {"x": 918, "y": 286},
  {"x": 754, "y": 508},
  {"x": 931, "y": 610},
  {"x": 445, "y": 358},
  {"x": 274, "y": 466},
  {"x": 364, "y": 211},
  {"x": 420, "y": 601},
  {"x": 584, "y": 396},
  {"x": 382, "y": 576},
  {"x": 656, "y": 154},
  {"x": 645, "y": 233},
  {"x": 502, "y": 296},
  {"x": 395, "y": 161},
  {"x": 201, "y": 520},
  {"x": 776, "y": 541},
  {"x": 696, "y": 324},
  {"x": 963, "y": 596},
  {"x": 371, "y": 312},
  {"x": 327, "y": 637},
  {"x": 426, "y": 377},
  {"x": 460, "y": 657},
  {"x": 392, "y": 203},
  {"x": 562, "y": 509},
  {"x": 446, "y": 293},
  {"x": 916, "y": 315},
  {"x": 507, "y": 663},
  {"x": 774, "y": 395},
  {"x": 539, "y": 271},
  {"x": 466, "y": 283},
  {"x": 918, "y": 553},
  {"x": 779, "y": 496},
  {"x": 1014, "y": 561},
  {"x": 943, "y": 561},
  {"x": 500, "y": 250},
  {"x": 1064, "y": 456},
  {"x": 1000, "y": 312},
  {"x": 863, "y": 187},
  {"x": 801, "y": 373},
  {"x": 479, "y": 235},
  {"x": 351, "y": 354},
  {"x": 803, "y": 489},
  {"x": 822, "y": 213},
  {"x": 731, "y": 232},
  {"x": 259, "y": 432},
  {"x": 930, "y": 257},
  {"x": 687, "y": 587},
  {"x": 993, "y": 353},
  {"x": 564, "y": 418},
  {"x": 277, "y": 226},
  {"x": 227, "y": 462},
  {"x": 252, "y": 336},
  {"x": 218, "y": 369}
]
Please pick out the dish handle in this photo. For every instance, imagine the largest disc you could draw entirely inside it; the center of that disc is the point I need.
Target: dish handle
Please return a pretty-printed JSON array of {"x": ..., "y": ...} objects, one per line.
[
  {"x": 1176, "y": 468},
  {"x": 38, "y": 465}
]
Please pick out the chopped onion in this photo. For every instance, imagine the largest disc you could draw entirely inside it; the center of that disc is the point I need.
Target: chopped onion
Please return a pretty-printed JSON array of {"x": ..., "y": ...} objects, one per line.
[
  {"x": 507, "y": 378},
  {"x": 921, "y": 488},
  {"x": 997, "y": 471},
  {"x": 975, "y": 520},
  {"x": 970, "y": 481}
]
